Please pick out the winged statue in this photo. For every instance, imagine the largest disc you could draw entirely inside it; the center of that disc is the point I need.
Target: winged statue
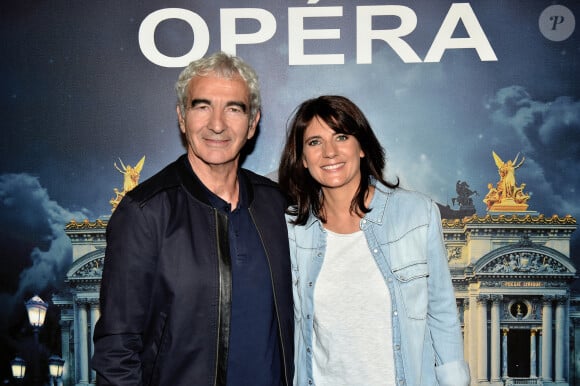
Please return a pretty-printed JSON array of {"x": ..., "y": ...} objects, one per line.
[
  {"x": 130, "y": 180},
  {"x": 506, "y": 194}
]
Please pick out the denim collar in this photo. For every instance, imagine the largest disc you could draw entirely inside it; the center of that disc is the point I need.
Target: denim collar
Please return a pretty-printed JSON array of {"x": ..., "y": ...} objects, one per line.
[{"x": 378, "y": 205}]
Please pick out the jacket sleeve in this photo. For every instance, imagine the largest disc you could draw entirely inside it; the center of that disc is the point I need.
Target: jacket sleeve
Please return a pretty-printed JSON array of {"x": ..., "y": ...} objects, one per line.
[
  {"x": 443, "y": 323},
  {"x": 125, "y": 294}
]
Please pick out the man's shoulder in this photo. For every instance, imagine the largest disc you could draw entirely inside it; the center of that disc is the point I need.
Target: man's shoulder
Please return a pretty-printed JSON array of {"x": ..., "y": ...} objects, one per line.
[
  {"x": 260, "y": 181},
  {"x": 264, "y": 191},
  {"x": 167, "y": 178}
]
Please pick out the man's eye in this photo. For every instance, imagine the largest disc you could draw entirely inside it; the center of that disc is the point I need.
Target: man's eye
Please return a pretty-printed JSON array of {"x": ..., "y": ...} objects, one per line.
[{"x": 235, "y": 109}]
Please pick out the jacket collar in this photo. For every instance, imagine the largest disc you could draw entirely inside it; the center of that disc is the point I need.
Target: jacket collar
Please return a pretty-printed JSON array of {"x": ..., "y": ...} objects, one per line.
[
  {"x": 378, "y": 205},
  {"x": 195, "y": 187},
  {"x": 312, "y": 219},
  {"x": 379, "y": 202}
]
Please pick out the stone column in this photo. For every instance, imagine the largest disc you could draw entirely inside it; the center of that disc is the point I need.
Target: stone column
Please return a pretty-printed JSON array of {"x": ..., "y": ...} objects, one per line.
[
  {"x": 482, "y": 338},
  {"x": 575, "y": 353},
  {"x": 82, "y": 356},
  {"x": 495, "y": 337},
  {"x": 540, "y": 351},
  {"x": 504, "y": 357},
  {"x": 471, "y": 325},
  {"x": 560, "y": 339},
  {"x": 95, "y": 314},
  {"x": 547, "y": 338},
  {"x": 65, "y": 348},
  {"x": 466, "y": 329},
  {"x": 533, "y": 373}
]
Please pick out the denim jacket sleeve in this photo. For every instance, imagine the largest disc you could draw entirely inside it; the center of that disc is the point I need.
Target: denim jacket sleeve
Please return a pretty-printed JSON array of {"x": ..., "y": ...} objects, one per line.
[{"x": 442, "y": 321}]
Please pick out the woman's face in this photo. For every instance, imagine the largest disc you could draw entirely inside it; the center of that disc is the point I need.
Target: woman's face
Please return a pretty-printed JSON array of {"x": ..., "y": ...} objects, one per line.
[{"x": 333, "y": 159}]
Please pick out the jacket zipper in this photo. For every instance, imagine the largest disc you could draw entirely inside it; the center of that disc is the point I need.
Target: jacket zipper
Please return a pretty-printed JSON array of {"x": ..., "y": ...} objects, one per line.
[
  {"x": 282, "y": 348},
  {"x": 217, "y": 351}
]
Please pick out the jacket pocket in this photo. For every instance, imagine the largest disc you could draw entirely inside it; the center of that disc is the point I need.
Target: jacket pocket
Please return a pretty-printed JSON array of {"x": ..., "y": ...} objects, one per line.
[
  {"x": 412, "y": 283},
  {"x": 153, "y": 356}
]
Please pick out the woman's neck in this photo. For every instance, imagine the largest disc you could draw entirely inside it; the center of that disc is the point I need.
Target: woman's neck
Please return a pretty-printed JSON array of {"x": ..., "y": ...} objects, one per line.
[{"x": 339, "y": 216}]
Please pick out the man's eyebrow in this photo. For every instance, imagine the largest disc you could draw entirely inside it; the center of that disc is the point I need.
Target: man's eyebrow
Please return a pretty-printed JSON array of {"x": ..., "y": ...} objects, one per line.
[
  {"x": 241, "y": 105},
  {"x": 195, "y": 102}
]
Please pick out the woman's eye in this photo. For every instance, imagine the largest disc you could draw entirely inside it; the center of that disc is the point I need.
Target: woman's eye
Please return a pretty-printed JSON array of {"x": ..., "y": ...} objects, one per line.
[
  {"x": 313, "y": 142},
  {"x": 341, "y": 137}
]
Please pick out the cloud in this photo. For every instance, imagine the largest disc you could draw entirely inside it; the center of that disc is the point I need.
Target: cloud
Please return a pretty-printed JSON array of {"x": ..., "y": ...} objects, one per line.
[
  {"x": 549, "y": 132},
  {"x": 36, "y": 252}
]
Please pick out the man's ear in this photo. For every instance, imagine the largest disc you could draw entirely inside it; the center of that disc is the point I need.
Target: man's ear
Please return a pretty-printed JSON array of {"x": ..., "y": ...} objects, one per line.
[
  {"x": 253, "y": 125},
  {"x": 180, "y": 120}
]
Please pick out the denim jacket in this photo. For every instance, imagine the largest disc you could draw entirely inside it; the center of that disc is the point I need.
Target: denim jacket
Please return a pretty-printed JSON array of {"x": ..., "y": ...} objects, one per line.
[{"x": 404, "y": 235}]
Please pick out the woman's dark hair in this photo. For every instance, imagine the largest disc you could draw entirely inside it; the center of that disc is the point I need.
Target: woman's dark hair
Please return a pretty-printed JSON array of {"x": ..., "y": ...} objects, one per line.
[{"x": 342, "y": 116}]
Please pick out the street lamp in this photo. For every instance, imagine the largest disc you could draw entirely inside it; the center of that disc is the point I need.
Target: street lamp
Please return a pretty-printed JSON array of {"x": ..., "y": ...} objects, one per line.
[
  {"x": 36, "y": 308},
  {"x": 55, "y": 367},
  {"x": 18, "y": 366}
]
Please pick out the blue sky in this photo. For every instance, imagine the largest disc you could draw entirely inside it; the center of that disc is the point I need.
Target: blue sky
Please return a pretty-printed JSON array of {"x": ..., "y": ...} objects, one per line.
[{"x": 79, "y": 95}]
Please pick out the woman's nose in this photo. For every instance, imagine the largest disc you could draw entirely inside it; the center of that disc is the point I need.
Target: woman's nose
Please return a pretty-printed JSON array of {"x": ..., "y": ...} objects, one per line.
[{"x": 329, "y": 150}]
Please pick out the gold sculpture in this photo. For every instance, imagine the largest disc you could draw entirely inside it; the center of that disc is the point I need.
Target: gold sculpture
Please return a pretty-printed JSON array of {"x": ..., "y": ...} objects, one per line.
[
  {"x": 507, "y": 196},
  {"x": 130, "y": 180}
]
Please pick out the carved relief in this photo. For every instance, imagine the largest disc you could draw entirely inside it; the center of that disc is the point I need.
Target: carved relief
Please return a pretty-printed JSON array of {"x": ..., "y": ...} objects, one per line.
[
  {"x": 93, "y": 268},
  {"x": 453, "y": 253},
  {"x": 524, "y": 262}
]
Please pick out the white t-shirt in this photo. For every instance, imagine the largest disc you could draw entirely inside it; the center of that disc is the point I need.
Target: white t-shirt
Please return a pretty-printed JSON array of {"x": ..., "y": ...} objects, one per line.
[{"x": 352, "y": 342}]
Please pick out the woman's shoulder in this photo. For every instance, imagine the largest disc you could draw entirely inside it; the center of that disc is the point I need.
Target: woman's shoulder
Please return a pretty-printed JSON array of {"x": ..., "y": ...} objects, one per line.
[
  {"x": 401, "y": 206},
  {"x": 403, "y": 196},
  {"x": 412, "y": 196}
]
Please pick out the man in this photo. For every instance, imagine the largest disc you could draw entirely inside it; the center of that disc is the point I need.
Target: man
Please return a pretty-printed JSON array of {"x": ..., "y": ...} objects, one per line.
[{"x": 196, "y": 285}]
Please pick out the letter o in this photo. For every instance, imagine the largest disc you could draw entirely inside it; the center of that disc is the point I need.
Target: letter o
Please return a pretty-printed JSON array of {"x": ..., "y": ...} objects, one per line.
[{"x": 147, "y": 37}]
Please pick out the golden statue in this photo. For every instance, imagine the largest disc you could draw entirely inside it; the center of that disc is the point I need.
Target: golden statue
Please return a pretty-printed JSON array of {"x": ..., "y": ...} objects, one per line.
[
  {"x": 519, "y": 196},
  {"x": 130, "y": 180},
  {"x": 491, "y": 197},
  {"x": 507, "y": 196}
]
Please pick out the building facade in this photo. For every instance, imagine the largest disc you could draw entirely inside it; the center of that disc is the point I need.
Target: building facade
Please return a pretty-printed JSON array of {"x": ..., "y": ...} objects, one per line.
[
  {"x": 79, "y": 303},
  {"x": 512, "y": 275}
]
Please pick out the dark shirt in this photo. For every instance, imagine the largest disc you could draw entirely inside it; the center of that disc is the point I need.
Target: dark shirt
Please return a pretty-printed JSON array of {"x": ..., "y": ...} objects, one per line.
[{"x": 254, "y": 352}]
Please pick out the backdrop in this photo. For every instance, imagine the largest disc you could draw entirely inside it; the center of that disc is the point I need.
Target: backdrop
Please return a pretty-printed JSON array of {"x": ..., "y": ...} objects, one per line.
[{"x": 87, "y": 84}]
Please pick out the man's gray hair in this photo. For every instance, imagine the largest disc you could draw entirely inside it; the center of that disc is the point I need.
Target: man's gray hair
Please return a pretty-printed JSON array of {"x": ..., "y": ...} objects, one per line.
[{"x": 223, "y": 65}]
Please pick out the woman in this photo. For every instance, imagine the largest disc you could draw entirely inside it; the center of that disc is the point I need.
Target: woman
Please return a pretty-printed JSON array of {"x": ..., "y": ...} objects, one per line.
[{"x": 374, "y": 303}]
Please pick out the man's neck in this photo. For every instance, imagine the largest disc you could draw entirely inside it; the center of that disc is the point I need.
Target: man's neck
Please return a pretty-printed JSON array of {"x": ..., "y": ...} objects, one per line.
[{"x": 221, "y": 180}]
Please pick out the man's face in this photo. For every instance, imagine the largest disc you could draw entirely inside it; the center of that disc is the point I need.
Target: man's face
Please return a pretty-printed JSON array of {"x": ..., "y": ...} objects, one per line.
[{"x": 216, "y": 123}]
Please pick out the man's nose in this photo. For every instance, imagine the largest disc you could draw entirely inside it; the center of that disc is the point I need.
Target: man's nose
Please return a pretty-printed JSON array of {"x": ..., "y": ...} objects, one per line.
[{"x": 217, "y": 123}]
